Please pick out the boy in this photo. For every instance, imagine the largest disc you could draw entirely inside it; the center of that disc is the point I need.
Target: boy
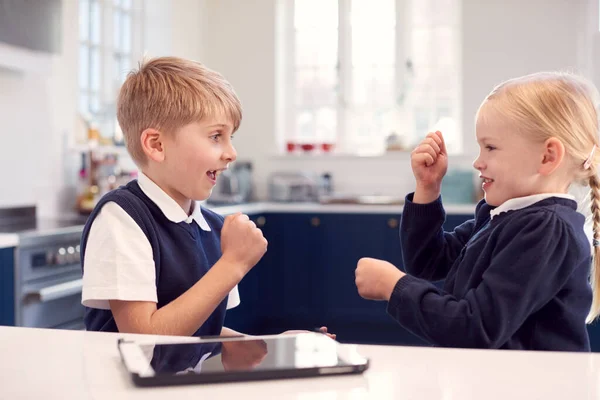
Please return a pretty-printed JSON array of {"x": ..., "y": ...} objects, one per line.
[{"x": 153, "y": 260}]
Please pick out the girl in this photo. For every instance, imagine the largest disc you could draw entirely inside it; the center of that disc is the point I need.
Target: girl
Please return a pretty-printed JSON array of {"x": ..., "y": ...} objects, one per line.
[{"x": 517, "y": 276}]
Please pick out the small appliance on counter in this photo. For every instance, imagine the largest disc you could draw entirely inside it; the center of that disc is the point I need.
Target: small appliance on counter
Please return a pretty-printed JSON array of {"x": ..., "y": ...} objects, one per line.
[
  {"x": 293, "y": 187},
  {"x": 234, "y": 185}
]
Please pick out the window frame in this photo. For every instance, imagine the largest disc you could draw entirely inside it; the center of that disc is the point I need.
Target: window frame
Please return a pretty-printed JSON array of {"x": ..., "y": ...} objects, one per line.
[{"x": 286, "y": 61}]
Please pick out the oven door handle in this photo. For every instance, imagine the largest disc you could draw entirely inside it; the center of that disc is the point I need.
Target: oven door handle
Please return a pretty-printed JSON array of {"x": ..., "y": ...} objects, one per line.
[{"x": 54, "y": 292}]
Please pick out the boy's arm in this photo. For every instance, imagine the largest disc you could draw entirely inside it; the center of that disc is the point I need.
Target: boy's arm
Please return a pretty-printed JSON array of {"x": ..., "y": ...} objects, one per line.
[
  {"x": 184, "y": 315},
  {"x": 243, "y": 244},
  {"x": 427, "y": 251}
]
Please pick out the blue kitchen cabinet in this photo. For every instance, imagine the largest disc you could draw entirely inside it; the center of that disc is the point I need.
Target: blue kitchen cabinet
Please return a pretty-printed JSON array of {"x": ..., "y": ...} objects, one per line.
[
  {"x": 7, "y": 286},
  {"x": 258, "y": 285}
]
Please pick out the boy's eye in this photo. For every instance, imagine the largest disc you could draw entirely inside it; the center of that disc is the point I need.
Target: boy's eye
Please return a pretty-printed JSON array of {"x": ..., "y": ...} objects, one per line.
[
  {"x": 490, "y": 148},
  {"x": 216, "y": 137}
]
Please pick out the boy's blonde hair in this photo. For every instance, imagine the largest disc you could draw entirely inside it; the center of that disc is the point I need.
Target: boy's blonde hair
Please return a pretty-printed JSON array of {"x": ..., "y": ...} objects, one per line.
[
  {"x": 167, "y": 93},
  {"x": 563, "y": 106}
]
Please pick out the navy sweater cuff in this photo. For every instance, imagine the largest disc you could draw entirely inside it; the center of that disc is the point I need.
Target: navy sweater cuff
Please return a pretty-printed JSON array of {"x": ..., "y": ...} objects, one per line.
[
  {"x": 422, "y": 210},
  {"x": 401, "y": 286}
]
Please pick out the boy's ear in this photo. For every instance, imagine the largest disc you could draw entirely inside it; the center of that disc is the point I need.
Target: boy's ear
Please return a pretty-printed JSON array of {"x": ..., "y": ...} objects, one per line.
[
  {"x": 554, "y": 152},
  {"x": 152, "y": 144}
]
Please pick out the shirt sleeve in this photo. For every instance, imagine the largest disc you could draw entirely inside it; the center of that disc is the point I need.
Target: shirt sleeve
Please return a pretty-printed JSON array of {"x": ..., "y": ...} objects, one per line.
[
  {"x": 234, "y": 298},
  {"x": 118, "y": 261},
  {"x": 427, "y": 251},
  {"x": 530, "y": 263}
]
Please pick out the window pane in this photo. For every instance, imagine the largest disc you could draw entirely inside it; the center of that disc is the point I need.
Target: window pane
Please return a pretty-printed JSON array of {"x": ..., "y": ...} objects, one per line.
[
  {"x": 373, "y": 32},
  {"x": 315, "y": 14},
  {"x": 380, "y": 14},
  {"x": 122, "y": 68},
  {"x": 95, "y": 69},
  {"x": 443, "y": 46},
  {"x": 305, "y": 125},
  {"x": 126, "y": 4},
  {"x": 126, "y": 32},
  {"x": 84, "y": 20},
  {"x": 96, "y": 22},
  {"x": 95, "y": 104},
  {"x": 117, "y": 3},
  {"x": 117, "y": 29},
  {"x": 316, "y": 47},
  {"x": 84, "y": 67},
  {"x": 316, "y": 86},
  {"x": 325, "y": 124},
  {"x": 84, "y": 102},
  {"x": 373, "y": 85},
  {"x": 421, "y": 13},
  {"x": 421, "y": 47}
]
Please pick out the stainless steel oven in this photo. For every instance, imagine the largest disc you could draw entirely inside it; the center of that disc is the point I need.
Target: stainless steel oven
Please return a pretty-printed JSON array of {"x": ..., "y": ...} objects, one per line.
[{"x": 47, "y": 273}]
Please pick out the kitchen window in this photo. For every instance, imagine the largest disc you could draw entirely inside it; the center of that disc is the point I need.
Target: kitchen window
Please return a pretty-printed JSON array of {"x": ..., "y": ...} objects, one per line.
[
  {"x": 357, "y": 75},
  {"x": 110, "y": 44}
]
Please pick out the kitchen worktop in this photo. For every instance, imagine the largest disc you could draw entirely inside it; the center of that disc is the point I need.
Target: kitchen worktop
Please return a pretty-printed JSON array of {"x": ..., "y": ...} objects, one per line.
[
  {"x": 55, "y": 364},
  {"x": 8, "y": 239}
]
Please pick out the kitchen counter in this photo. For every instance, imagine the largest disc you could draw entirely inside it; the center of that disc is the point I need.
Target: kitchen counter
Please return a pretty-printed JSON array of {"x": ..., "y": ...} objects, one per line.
[
  {"x": 10, "y": 239},
  {"x": 55, "y": 364},
  {"x": 262, "y": 207}
]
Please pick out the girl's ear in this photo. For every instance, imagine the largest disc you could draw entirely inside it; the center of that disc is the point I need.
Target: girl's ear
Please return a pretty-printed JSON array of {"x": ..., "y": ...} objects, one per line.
[{"x": 553, "y": 154}]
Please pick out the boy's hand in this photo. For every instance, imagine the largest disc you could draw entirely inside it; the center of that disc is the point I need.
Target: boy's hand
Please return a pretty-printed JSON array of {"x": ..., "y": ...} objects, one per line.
[
  {"x": 242, "y": 243},
  {"x": 429, "y": 162},
  {"x": 376, "y": 279},
  {"x": 322, "y": 330},
  {"x": 243, "y": 355}
]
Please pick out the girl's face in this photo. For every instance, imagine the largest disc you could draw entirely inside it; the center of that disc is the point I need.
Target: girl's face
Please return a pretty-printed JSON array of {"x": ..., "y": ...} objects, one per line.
[{"x": 508, "y": 161}]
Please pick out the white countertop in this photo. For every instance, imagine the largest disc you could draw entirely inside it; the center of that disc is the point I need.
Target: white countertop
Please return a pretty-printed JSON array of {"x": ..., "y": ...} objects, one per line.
[
  {"x": 255, "y": 208},
  {"x": 54, "y": 364},
  {"x": 10, "y": 240}
]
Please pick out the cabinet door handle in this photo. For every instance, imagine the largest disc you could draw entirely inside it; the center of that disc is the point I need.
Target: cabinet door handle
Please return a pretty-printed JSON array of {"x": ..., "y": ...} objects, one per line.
[
  {"x": 315, "y": 221},
  {"x": 393, "y": 223},
  {"x": 261, "y": 221}
]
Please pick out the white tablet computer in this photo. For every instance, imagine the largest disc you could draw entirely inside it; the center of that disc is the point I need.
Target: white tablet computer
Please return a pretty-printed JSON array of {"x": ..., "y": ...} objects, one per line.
[{"x": 241, "y": 358}]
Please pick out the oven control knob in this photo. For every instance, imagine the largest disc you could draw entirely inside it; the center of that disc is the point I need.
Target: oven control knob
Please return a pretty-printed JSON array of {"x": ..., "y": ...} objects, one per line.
[
  {"x": 61, "y": 256},
  {"x": 50, "y": 258}
]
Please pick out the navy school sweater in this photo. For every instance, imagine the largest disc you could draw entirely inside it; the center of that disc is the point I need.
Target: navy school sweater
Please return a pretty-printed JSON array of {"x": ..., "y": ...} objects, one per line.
[{"x": 517, "y": 281}]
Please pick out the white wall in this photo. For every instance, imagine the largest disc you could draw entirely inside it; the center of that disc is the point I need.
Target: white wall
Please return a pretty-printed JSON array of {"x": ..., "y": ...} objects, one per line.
[
  {"x": 175, "y": 28},
  {"x": 37, "y": 116},
  {"x": 504, "y": 39},
  {"x": 500, "y": 39}
]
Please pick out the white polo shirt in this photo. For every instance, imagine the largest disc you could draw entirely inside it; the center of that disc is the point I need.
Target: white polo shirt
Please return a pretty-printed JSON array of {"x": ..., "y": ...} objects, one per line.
[{"x": 119, "y": 263}]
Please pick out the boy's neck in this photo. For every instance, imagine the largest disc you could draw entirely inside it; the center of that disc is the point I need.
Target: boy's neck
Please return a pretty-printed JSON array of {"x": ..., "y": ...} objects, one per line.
[{"x": 182, "y": 201}]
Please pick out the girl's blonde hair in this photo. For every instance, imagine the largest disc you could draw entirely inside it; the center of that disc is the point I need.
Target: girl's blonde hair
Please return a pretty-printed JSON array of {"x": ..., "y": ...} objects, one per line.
[{"x": 563, "y": 106}]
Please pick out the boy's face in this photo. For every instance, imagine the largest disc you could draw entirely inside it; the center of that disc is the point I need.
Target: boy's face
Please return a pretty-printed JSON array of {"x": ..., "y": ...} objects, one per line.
[
  {"x": 195, "y": 156},
  {"x": 508, "y": 162}
]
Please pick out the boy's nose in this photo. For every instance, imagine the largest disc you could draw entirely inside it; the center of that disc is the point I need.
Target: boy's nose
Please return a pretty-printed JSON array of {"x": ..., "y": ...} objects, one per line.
[{"x": 230, "y": 154}]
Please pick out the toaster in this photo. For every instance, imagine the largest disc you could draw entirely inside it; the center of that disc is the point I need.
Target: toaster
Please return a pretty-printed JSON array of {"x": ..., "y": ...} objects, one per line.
[{"x": 293, "y": 187}]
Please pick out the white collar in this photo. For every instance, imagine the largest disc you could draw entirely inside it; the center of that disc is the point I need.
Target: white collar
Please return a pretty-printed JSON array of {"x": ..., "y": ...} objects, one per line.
[
  {"x": 521, "y": 202},
  {"x": 169, "y": 207}
]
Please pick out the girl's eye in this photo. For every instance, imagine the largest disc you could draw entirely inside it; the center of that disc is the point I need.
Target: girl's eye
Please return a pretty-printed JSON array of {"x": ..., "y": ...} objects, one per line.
[{"x": 490, "y": 148}]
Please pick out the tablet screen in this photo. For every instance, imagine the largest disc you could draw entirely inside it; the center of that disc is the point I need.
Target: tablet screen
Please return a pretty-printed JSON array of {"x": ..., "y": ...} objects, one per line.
[{"x": 275, "y": 353}]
